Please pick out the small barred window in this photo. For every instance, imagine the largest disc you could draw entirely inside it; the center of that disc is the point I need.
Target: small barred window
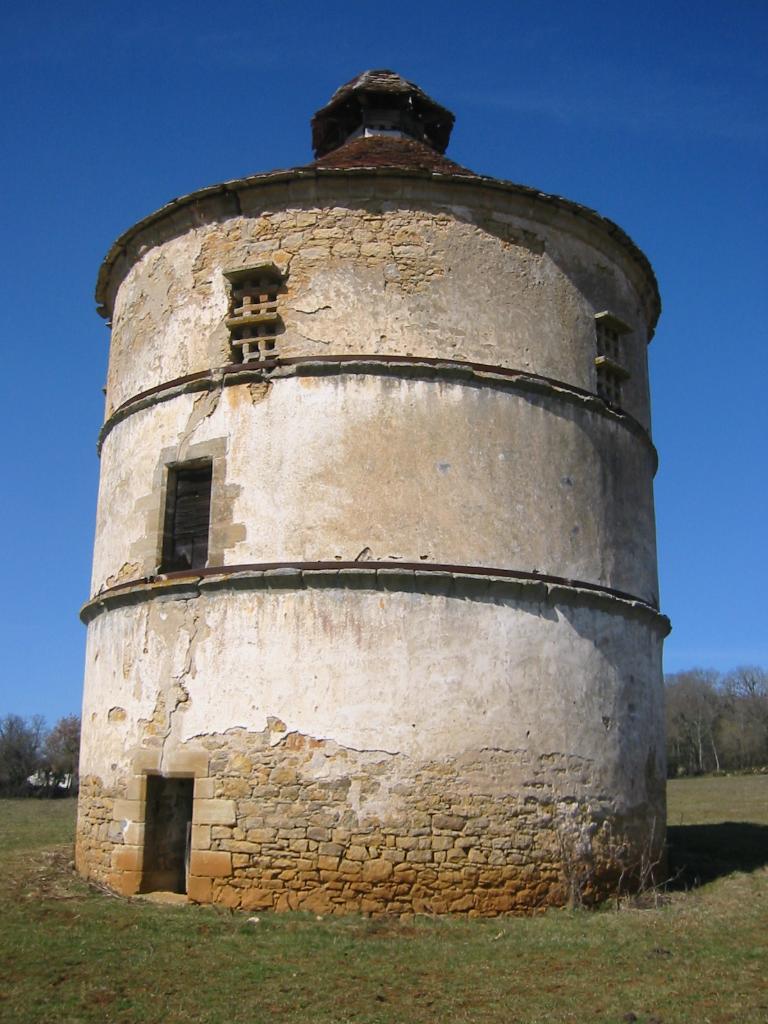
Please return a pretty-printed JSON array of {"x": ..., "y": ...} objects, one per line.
[
  {"x": 610, "y": 372},
  {"x": 253, "y": 320}
]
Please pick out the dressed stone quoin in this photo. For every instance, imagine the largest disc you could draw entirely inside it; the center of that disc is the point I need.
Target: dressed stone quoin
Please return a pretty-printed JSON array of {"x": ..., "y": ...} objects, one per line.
[{"x": 374, "y": 620}]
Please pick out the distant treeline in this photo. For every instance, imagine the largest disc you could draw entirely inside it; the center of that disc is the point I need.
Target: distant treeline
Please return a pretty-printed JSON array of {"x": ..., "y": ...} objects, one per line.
[
  {"x": 36, "y": 761},
  {"x": 717, "y": 722}
]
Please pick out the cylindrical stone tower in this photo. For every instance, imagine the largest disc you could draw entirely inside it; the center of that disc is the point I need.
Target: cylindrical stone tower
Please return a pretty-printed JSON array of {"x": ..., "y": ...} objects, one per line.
[{"x": 374, "y": 622}]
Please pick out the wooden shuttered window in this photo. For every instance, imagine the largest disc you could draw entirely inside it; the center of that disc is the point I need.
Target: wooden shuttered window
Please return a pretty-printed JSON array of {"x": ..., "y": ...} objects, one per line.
[{"x": 187, "y": 517}]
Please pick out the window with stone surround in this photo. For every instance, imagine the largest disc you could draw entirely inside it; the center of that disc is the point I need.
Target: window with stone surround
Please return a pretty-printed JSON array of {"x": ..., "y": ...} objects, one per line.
[
  {"x": 253, "y": 320},
  {"x": 611, "y": 374},
  {"x": 187, "y": 516}
]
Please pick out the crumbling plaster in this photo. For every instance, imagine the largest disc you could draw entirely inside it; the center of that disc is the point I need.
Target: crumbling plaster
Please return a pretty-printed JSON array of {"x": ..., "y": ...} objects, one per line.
[
  {"x": 379, "y": 738},
  {"x": 547, "y": 676},
  {"x": 412, "y": 278},
  {"x": 332, "y": 467}
]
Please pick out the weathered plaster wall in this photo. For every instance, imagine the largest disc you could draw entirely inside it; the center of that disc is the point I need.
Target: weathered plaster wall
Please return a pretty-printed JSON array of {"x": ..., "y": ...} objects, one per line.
[
  {"x": 465, "y": 275},
  {"x": 332, "y": 467},
  {"x": 371, "y": 741},
  {"x": 346, "y": 711}
]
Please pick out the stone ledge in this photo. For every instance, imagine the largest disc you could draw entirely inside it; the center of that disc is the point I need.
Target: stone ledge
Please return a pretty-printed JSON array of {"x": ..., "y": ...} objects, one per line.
[
  {"x": 459, "y": 372},
  {"x": 417, "y": 577}
]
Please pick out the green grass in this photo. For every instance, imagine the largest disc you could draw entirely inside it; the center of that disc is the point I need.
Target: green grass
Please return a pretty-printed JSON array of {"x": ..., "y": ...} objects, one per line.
[
  {"x": 712, "y": 799},
  {"x": 69, "y": 953},
  {"x": 717, "y": 826}
]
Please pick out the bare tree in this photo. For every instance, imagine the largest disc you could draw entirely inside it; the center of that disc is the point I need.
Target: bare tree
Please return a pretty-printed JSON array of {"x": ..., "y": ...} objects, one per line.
[
  {"x": 694, "y": 711},
  {"x": 745, "y": 731},
  {"x": 62, "y": 750},
  {"x": 21, "y": 742}
]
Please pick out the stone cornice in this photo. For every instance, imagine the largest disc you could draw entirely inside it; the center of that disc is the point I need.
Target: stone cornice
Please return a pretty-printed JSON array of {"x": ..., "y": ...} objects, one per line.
[
  {"x": 458, "y": 581},
  {"x": 406, "y": 367}
]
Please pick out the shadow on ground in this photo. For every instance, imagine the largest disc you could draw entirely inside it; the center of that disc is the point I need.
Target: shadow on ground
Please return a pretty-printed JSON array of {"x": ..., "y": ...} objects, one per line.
[{"x": 702, "y": 853}]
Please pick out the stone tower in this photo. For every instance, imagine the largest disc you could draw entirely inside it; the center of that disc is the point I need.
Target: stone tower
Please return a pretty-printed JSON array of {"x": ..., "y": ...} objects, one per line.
[{"x": 374, "y": 622}]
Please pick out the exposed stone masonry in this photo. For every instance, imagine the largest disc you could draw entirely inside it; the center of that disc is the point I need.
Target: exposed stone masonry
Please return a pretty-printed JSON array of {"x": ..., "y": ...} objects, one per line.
[
  {"x": 97, "y": 830},
  {"x": 303, "y": 823},
  {"x": 364, "y": 277}
]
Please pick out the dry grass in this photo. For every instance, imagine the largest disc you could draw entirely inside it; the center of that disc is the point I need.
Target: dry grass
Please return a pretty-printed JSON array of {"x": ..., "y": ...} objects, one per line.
[{"x": 69, "y": 954}]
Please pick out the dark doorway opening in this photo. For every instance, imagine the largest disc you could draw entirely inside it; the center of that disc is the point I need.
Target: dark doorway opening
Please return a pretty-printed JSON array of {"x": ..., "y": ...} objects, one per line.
[{"x": 167, "y": 834}]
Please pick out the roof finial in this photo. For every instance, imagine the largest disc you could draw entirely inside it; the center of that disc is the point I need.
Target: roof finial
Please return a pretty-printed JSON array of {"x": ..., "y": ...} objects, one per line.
[{"x": 380, "y": 103}]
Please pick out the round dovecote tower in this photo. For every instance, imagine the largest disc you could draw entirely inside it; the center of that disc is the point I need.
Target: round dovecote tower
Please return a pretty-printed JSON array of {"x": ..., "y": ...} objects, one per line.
[{"x": 374, "y": 622}]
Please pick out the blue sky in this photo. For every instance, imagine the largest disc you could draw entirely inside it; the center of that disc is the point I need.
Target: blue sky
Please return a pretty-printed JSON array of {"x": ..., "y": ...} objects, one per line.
[{"x": 653, "y": 114}]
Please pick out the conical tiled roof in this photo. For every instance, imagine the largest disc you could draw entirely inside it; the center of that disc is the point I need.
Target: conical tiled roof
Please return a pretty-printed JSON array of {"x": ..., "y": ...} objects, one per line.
[{"x": 397, "y": 153}]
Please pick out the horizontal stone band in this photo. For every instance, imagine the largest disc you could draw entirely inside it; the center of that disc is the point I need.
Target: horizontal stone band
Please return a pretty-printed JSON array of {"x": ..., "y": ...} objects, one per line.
[
  {"x": 460, "y": 581},
  {"x": 404, "y": 367}
]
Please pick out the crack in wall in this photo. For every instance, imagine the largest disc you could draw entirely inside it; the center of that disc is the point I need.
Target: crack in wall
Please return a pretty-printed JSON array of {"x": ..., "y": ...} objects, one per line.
[
  {"x": 308, "y": 312},
  {"x": 203, "y": 406},
  {"x": 178, "y": 691},
  {"x": 309, "y": 337}
]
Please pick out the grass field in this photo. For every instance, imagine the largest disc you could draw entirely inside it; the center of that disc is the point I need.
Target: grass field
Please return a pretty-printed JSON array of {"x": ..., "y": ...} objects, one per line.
[{"x": 69, "y": 953}]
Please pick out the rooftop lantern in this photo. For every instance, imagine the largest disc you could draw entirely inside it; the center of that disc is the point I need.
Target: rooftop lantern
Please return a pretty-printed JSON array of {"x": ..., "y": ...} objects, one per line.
[{"x": 380, "y": 103}]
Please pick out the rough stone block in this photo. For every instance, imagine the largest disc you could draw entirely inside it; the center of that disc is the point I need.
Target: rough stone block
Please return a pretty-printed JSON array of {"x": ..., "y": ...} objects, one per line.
[
  {"x": 125, "y": 883},
  {"x": 318, "y": 834},
  {"x": 205, "y": 789},
  {"x": 463, "y": 903},
  {"x": 186, "y": 761},
  {"x": 199, "y": 889},
  {"x": 133, "y": 833},
  {"x": 350, "y": 867},
  {"x": 128, "y": 810},
  {"x": 229, "y": 897},
  {"x": 201, "y": 837},
  {"x": 318, "y": 901},
  {"x": 136, "y": 788},
  {"x": 406, "y": 842},
  {"x": 127, "y": 858},
  {"x": 449, "y": 822},
  {"x": 263, "y": 835},
  {"x": 211, "y": 863},
  {"x": 258, "y": 899},
  {"x": 214, "y": 812},
  {"x": 146, "y": 761},
  {"x": 419, "y": 856},
  {"x": 378, "y": 870},
  {"x": 330, "y": 849}
]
